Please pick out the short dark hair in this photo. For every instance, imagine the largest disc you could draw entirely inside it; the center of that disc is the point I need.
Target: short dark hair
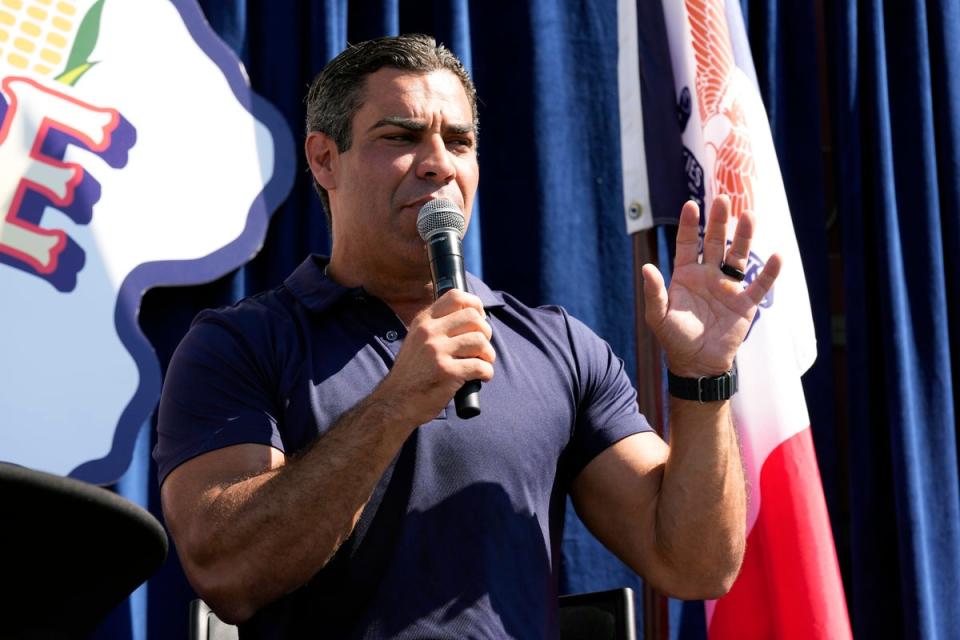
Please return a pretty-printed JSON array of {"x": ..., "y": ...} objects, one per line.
[{"x": 336, "y": 94}]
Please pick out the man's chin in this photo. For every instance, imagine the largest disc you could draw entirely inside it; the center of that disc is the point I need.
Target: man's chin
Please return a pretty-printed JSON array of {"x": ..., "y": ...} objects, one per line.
[{"x": 412, "y": 256}]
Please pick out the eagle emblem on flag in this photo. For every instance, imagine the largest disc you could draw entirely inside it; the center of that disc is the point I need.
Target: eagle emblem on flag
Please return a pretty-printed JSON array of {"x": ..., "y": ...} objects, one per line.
[{"x": 718, "y": 84}]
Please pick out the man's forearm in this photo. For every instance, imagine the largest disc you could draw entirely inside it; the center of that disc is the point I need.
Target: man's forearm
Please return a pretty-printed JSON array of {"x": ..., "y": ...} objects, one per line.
[
  {"x": 264, "y": 536},
  {"x": 701, "y": 511}
]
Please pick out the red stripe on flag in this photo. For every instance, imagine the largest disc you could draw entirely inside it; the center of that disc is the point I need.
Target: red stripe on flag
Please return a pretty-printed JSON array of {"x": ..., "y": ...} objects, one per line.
[{"x": 789, "y": 585}]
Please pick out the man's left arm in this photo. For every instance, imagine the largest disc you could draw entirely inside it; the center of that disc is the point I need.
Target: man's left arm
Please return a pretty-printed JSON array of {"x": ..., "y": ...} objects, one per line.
[{"x": 676, "y": 514}]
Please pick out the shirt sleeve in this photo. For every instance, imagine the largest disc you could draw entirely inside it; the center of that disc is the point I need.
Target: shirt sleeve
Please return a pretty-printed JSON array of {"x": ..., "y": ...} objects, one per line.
[
  {"x": 607, "y": 402},
  {"x": 217, "y": 393}
]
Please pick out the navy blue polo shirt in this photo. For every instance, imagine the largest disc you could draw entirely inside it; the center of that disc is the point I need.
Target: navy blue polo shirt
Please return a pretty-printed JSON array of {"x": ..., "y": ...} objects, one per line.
[{"x": 461, "y": 537}]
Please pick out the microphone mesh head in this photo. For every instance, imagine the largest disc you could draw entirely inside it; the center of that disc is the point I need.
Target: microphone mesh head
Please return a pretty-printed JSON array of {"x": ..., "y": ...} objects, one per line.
[{"x": 440, "y": 215}]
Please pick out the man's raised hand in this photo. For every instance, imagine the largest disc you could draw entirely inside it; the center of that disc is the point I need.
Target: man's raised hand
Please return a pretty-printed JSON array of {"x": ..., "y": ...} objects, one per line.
[{"x": 704, "y": 317}]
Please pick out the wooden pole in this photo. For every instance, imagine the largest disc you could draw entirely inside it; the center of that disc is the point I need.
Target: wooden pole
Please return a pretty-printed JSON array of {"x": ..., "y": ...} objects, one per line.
[{"x": 656, "y": 622}]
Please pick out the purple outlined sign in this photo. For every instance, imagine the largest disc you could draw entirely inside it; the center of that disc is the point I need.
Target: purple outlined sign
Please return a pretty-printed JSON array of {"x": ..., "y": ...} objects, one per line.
[{"x": 133, "y": 154}]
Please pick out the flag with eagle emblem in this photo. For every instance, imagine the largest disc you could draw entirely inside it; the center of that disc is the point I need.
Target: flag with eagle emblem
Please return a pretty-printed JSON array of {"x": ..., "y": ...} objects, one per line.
[{"x": 789, "y": 585}]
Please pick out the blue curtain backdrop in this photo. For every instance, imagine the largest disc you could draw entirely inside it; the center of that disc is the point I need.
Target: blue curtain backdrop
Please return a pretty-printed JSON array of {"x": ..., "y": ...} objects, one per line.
[
  {"x": 877, "y": 223},
  {"x": 888, "y": 71},
  {"x": 894, "y": 75}
]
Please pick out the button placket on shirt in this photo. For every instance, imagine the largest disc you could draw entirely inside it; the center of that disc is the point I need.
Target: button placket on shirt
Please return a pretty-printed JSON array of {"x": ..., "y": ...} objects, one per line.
[
  {"x": 388, "y": 335},
  {"x": 392, "y": 339}
]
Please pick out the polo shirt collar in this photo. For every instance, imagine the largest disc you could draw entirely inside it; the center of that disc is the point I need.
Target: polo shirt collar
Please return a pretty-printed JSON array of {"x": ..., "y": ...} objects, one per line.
[
  {"x": 317, "y": 292},
  {"x": 479, "y": 288}
]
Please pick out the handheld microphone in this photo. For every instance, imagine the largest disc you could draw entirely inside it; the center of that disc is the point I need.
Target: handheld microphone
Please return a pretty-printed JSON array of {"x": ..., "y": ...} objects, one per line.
[{"x": 441, "y": 225}]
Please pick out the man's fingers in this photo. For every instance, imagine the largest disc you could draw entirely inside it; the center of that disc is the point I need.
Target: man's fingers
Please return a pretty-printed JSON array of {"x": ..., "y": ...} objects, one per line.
[
  {"x": 463, "y": 333},
  {"x": 472, "y": 345},
  {"x": 765, "y": 279},
  {"x": 715, "y": 234},
  {"x": 739, "y": 249},
  {"x": 654, "y": 295},
  {"x": 688, "y": 235},
  {"x": 454, "y": 300},
  {"x": 464, "y": 321},
  {"x": 465, "y": 357},
  {"x": 473, "y": 369}
]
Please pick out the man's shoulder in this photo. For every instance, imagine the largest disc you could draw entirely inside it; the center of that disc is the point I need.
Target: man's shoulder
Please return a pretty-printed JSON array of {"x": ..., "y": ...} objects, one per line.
[
  {"x": 276, "y": 306},
  {"x": 280, "y": 305},
  {"x": 495, "y": 298},
  {"x": 544, "y": 323}
]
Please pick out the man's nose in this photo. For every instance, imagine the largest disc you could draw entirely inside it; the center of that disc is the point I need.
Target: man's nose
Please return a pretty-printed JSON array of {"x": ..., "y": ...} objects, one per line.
[{"x": 435, "y": 162}]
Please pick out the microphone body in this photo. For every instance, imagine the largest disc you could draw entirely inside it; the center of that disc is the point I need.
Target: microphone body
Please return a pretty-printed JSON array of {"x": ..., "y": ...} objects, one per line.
[
  {"x": 441, "y": 226},
  {"x": 446, "y": 262}
]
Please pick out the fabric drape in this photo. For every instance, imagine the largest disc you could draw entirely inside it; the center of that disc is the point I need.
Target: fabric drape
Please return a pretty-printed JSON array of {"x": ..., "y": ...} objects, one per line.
[{"x": 898, "y": 164}]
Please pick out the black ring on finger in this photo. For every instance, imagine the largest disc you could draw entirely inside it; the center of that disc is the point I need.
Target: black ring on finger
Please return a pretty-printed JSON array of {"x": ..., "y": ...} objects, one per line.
[{"x": 733, "y": 272}]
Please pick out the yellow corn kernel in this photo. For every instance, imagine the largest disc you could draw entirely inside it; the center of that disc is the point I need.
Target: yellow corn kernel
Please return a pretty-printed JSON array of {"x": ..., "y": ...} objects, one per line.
[
  {"x": 42, "y": 69},
  {"x": 50, "y": 56},
  {"x": 37, "y": 13},
  {"x": 13, "y": 4},
  {"x": 43, "y": 2},
  {"x": 17, "y": 61},
  {"x": 62, "y": 23},
  {"x": 24, "y": 45},
  {"x": 4, "y": 36},
  {"x": 6, "y": 17},
  {"x": 56, "y": 40},
  {"x": 30, "y": 28},
  {"x": 66, "y": 8}
]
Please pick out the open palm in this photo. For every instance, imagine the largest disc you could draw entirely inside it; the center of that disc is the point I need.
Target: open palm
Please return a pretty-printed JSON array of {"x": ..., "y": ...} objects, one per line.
[{"x": 704, "y": 317}]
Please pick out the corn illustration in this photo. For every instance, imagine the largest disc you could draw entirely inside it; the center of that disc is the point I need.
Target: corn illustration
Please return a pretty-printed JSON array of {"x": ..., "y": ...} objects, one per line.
[{"x": 52, "y": 38}]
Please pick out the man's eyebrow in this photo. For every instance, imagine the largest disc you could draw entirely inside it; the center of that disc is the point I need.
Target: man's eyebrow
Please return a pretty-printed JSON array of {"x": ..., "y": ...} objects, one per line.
[
  {"x": 417, "y": 125},
  {"x": 396, "y": 121},
  {"x": 461, "y": 128}
]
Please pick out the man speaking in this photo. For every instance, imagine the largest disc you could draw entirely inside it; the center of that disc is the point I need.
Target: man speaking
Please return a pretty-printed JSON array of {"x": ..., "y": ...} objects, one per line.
[{"x": 316, "y": 476}]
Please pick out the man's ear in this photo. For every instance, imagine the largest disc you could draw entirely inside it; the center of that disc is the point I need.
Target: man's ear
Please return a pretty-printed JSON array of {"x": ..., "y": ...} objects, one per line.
[{"x": 323, "y": 157}]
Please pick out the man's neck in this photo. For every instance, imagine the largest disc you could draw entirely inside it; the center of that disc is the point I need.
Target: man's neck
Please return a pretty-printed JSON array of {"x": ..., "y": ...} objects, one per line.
[{"x": 407, "y": 293}]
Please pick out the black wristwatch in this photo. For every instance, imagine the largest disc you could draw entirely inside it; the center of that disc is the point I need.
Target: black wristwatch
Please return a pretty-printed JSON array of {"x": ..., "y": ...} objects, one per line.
[{"x": 704, "y": 388}]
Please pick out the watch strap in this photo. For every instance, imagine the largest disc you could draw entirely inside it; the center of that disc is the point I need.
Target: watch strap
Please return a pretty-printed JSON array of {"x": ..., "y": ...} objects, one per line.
[{"x": 704, "y": 388}]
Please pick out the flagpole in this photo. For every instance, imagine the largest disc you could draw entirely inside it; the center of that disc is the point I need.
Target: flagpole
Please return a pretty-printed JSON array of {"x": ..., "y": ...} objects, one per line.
[{"x": 656, "y": 622}]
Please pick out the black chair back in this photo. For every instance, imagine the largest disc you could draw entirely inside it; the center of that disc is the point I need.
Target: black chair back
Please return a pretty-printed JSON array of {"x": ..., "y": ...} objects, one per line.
[
  {"x": 600, "y": 615},
  {"x": 71, "y": 552}
]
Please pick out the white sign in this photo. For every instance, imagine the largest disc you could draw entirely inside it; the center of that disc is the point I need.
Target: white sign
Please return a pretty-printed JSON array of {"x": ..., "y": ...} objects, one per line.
[{"x": 132, "y": 154}]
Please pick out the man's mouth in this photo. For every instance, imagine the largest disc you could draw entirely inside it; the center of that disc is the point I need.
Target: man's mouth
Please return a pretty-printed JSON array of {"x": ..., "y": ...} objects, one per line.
[{"x": 419, "y": 202}]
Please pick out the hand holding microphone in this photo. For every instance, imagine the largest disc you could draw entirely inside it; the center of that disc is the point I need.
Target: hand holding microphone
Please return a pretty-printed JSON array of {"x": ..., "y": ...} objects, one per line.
[{"x": 441, "y": 225}]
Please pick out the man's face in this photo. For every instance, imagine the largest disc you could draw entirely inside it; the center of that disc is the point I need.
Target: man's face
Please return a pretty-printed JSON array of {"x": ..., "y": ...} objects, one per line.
[{"x": 413, "y": 141}]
